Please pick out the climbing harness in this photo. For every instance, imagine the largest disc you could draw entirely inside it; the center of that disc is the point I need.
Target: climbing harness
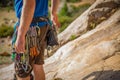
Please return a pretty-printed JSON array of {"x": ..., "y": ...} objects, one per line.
[{"x": 23, "y": 65}]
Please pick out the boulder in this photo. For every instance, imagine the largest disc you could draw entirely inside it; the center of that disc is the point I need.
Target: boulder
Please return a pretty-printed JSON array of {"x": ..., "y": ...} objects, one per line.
[{"x": 94, "y": 54}]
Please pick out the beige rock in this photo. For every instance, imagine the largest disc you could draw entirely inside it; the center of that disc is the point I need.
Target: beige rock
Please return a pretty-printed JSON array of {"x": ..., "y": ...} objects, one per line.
[{"x": 94, "y": 55}]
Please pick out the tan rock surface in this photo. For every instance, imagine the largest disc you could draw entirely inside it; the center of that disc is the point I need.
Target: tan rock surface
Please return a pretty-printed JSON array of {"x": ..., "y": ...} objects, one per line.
[{"x": 95, "y": 55}]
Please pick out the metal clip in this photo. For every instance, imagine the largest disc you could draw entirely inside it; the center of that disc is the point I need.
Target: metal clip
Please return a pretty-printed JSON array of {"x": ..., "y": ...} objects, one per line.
[{"x": 26, "y": 68}]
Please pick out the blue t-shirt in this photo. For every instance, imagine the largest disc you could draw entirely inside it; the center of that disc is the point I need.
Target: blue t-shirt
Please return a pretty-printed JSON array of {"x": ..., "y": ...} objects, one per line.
[{"x": 41, "y": 9}]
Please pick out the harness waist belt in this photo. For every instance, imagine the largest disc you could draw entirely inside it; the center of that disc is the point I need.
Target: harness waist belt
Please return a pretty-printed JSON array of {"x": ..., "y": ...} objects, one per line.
[{"x": 40, "y": 19}]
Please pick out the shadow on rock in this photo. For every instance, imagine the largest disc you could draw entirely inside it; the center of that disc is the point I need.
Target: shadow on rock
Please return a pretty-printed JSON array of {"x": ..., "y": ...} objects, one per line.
[{"x": 103, "y": 75}]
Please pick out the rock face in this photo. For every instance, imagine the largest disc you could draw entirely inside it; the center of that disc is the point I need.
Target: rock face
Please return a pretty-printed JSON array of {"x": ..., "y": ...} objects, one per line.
[
  {"x": 94, "y": 54},
  {"x": 99, "y": 11}
]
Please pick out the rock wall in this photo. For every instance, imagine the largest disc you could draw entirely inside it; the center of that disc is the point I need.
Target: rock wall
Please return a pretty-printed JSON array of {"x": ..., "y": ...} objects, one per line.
[{"x": 93, "y": 55}]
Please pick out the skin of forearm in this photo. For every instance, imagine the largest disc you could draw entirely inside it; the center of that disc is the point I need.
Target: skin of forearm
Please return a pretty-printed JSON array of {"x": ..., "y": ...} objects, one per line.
[
  {"x": 54, "y": 6},
  {"x": 26, "y": 17}
]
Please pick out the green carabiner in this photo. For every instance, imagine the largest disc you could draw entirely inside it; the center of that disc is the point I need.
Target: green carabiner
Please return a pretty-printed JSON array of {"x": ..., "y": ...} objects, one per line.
[{"x": 13, "y": 56}]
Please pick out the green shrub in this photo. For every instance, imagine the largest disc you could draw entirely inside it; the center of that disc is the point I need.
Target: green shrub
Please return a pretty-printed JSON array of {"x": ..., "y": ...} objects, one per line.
[
  {"x": 73, "y": 37},
  {"x": 6, "y": 3},
  {"x": 63, "y": 27},
  {"x": 73, "y": 0},
  {"x": 64, "y": 10},
  {"x": 49, "y": 3},
  {"x": 64, "y": 21},
  {"x": 66, "y": 17},
  {"x": 6, "y": 30},
  {"x": 76, "y": 11}
]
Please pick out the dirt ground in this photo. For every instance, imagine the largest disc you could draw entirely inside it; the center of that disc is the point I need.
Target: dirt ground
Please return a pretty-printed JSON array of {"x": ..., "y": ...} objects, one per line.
[
  {"x": 5, "y": 49},
  {"x": 7, "y": 17}
]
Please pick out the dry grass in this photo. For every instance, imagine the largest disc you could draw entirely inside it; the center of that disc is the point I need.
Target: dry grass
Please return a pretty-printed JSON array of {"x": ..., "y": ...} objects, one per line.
[{"x": 7, "y": 16}]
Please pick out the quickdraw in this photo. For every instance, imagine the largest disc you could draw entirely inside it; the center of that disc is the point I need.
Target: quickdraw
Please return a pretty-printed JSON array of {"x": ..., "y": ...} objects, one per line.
[
  {"x": 33, "y": 47},
  {"x": 32, "y": 40}
]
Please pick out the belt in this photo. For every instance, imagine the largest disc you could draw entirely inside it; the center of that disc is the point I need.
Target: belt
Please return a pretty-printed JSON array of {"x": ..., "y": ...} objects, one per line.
[{"x": 40, "y": 19}]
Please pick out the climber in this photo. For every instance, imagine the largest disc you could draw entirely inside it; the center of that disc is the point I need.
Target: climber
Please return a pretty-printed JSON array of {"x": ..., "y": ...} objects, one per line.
[{"x": 29, "y": 37}]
